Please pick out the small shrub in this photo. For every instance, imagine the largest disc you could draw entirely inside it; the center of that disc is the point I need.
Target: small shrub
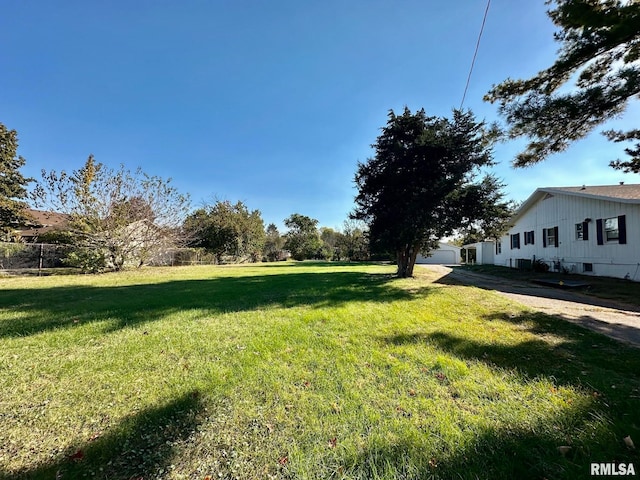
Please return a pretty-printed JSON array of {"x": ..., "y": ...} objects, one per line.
[
  {"x": 540, "y": 266},
  {"x": 86, "y": 259}
]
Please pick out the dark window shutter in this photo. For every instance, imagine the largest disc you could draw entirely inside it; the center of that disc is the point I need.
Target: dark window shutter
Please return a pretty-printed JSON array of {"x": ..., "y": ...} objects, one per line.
[
  {"x": 555, "y": 234},
  {"x": 532, "y": 237},
  {"x": 599, "y": 232},
  {"x": 544, "y": 237},
  {"x": 622, "y": 229},
  {"x": 518, "y": 240},
  {"x": 585, "y": 230}
]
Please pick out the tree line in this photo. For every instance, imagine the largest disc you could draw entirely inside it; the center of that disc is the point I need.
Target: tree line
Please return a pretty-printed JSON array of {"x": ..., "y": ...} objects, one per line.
[{"x": 118, "y": 218}]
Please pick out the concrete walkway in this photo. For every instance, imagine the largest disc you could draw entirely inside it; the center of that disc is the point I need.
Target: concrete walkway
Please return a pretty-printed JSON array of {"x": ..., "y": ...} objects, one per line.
[{"x": 617, "y": 320}]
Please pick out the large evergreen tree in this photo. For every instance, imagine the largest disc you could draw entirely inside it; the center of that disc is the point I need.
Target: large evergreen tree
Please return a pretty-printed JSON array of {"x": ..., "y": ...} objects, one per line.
[
  {"x": 12, "y": 183},
  {"x": 418, "y": 187},
  {"x": 601, "y": 51}
]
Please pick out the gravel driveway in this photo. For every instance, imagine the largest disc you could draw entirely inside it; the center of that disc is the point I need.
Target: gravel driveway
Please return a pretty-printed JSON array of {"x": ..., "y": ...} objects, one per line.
[{"x": 619, "y": 321}]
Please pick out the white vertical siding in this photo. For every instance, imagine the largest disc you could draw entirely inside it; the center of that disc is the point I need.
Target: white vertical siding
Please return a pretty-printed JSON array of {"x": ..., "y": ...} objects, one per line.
[{"x": 564, "y": 212}]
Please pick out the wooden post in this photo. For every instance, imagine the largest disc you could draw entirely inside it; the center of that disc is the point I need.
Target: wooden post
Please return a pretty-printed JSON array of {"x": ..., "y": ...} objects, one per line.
[{"x": 40, "y": 260}]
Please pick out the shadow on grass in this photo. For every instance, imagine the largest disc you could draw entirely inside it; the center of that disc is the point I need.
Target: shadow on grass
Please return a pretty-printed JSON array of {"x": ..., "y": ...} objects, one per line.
[
  {"x": 566, "y": 355},
  {"x": 521, "y": 286},
  {"x": 45, "y": 309},
  {"x": 497, "y": 454},
  {"x": 140, "y": 447}
]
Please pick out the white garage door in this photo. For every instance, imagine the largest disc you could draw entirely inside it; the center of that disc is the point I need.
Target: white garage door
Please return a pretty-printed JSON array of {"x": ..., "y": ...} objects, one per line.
[{"x": 440, "y": 257}]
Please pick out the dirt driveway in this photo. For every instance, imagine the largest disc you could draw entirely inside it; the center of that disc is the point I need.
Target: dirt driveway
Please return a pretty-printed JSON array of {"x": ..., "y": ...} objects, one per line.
[{"x": 614, "y": 319}]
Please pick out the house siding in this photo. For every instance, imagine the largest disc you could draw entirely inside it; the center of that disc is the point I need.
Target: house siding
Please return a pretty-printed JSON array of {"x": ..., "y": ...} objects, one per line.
[{"x": 615, "y": 259}]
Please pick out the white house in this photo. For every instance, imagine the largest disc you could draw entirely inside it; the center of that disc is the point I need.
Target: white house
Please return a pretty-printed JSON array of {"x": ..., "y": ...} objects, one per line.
[
  {"x": 445, "y": 254},
  {"x": 587, "y": 230}
]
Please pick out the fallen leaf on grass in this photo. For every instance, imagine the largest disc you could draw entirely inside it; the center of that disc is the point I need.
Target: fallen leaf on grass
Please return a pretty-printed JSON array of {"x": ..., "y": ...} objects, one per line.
[
  {"x": 402, "y": 411},
  {"x": 78, "y": 456},
  {"x": 283, "y": 460},
  {"x": 433, "y": 463},
  {"x": 564, "y": 449},
  {"x": 333, "y": 442},
  {"x": 336, "y": 408},
  {"x": 411, "y": 392}
]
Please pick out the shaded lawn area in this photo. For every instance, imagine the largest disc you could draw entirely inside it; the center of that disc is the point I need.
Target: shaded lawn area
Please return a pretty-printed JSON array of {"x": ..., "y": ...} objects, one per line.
[
  {"x": 301, "y": 371},
  {"x": 600, "y": 287}
]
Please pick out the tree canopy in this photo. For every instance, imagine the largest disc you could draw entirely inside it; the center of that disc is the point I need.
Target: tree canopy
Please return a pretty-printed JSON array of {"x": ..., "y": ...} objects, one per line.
[
  {"x": 600, "y": 49},
  {"x": 418, "y": 187},
  {"x": 12, "y": 183},
  {"x": 117, "y": 217},
  {"x": 274, "y": 244},
  {"x": 227, "y": 229},
  {"x": 302, "y": 239}
]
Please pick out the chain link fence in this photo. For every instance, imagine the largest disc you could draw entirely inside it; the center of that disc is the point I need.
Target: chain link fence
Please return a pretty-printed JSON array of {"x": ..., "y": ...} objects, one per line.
[
  {"x": 23, "y": 256},
  {"x": 29, "y": 257}
]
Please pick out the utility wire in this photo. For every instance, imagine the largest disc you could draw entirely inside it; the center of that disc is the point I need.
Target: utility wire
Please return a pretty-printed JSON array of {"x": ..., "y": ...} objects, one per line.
[{"x": 475, "y": 53}]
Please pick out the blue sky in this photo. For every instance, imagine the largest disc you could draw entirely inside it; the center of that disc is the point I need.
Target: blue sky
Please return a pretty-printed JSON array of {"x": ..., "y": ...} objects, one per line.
[{"x": 272, "y": 103}]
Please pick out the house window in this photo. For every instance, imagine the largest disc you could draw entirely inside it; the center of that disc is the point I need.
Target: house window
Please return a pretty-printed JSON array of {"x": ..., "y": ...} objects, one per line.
[
  {"x": 498, "y": 248},
  {"x": 528, "y": 238},
  {"x": 515, "y": 241},
  {"x": 579, "y": 231},
  {"x": 587, "y": 267},
  {"x": 611, "y": 232},
  {"x": 550, "y": 237}
]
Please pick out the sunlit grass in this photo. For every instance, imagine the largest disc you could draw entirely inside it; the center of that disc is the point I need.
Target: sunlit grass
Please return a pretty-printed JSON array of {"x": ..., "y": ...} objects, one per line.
[{"x": 301, "y": 371}]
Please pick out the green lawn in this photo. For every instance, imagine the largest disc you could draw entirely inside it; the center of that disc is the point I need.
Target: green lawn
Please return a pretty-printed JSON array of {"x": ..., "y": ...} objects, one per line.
[{"x": 301, "y": 371}]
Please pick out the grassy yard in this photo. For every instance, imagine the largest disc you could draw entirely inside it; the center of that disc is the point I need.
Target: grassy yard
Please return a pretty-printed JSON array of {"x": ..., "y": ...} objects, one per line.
[{"x": 301, "y": 371}]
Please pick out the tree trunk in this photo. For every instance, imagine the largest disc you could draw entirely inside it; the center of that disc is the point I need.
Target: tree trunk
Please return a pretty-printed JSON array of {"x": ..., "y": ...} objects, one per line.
[{"x": 406, "y": 260}]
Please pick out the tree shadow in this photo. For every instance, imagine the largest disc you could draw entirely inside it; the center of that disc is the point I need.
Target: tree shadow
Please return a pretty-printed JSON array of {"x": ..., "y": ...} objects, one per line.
[
  {"x": 139, "y": 447},
  {"x": 459, "y": 276},
  {"x": 606, "y": 371},
  {"x": 561, "y": 350},
  {"x": 494, "y": 453},
  {"x": 37, "y": 310}
]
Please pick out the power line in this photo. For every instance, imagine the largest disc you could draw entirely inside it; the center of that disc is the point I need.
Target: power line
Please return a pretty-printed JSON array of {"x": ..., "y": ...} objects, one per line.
[{"x": 475, "y": 53}]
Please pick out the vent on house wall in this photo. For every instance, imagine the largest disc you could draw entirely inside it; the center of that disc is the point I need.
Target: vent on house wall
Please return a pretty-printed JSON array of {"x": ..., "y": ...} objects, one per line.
[
  {"x": 547, "y": 196},
  {"x": 587, "y": 267}
]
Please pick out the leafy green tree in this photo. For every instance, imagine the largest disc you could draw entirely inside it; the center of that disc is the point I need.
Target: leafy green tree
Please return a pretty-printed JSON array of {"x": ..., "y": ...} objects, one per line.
[
  {"x": 227, "y": 229},
  {"x": 117, "y": 217},
  {"x": 413, "y": 191},
  {"x": 353, "y": 244},
  {"x": 302, "y": 239},
  {"x": 13, "y": 190},
  {"x": 486, "y": 213},
  {"x": 331, "y": 242},
  {"x": 601, "y": 50},
  {"x": 274, "y": 244}
]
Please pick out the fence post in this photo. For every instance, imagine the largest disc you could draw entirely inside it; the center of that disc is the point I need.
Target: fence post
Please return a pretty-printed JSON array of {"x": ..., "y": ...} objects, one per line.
[{"x": 40, "y": 259}]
